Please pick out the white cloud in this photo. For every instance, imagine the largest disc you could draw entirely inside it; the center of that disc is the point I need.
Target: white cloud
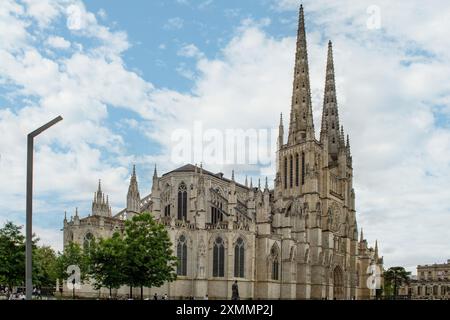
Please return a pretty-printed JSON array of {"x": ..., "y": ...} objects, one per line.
[
  {"x": 102, "y": 14},
  {"x": 43, "y": 11},
  {"x": 58, "y": 42},
  {"x": 174, "y": 23},
  {"x": 190, "y": 51}
]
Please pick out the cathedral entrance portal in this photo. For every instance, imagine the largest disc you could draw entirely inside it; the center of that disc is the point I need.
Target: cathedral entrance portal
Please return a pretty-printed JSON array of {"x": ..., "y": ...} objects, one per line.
[{"x": 338, "y": 283}]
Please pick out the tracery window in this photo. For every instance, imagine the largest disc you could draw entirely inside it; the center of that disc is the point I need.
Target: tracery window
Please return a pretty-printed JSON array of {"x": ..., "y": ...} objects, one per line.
[
  {"x": 182, "y": 202},
  {"x": 239, "y": 258}
]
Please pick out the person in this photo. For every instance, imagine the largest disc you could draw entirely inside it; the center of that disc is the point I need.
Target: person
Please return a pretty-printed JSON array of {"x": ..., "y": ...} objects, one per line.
[
  {"x": 165, "y": 297},
  {"x": 234, "y": 291},
  {"x": 155, "y": 296},
  {"x": 206, "y": 297}
]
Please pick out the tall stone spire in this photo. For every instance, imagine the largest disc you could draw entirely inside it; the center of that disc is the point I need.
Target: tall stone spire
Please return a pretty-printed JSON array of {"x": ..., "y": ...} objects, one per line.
[
  {"x": 133, "y": 197},
  {"x": 155, "y": 173},
  {"x": 280, "y": 132},
  {"x": 301, "y": 124},
  {"x": 330, "y": 115}
]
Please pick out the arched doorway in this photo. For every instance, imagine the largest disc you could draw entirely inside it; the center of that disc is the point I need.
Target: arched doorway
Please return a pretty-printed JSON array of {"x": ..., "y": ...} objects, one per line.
[{"x": 338, "y": 283}]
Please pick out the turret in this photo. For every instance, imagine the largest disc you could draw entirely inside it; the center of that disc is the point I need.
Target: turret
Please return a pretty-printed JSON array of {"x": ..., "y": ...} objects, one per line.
[{"x": 133, "y": 197}]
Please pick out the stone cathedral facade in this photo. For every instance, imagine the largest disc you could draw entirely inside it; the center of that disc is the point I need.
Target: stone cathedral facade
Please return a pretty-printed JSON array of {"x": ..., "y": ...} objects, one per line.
[{"x": 296, "y": 241}]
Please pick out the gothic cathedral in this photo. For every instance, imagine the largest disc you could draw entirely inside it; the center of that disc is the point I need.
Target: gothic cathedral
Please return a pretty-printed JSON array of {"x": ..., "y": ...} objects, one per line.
[{"x": 297, "y": 241}]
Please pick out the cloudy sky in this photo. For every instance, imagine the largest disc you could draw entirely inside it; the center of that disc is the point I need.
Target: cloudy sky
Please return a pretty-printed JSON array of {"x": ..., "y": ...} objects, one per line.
[{"x": 126, "y": 76}]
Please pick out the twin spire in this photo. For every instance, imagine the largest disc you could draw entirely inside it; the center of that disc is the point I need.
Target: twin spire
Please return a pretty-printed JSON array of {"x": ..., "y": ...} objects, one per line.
[{"x": 301, "y": 125}]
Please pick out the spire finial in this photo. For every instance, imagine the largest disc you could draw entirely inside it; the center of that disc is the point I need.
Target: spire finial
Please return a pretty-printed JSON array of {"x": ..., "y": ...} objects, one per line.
[
  {"x": 246, "y": 182},
  {"x": 232, "y": 175},
  {"x": 281, "y": 118},
  {"x": 266, "y": 187},
  {"x": 155, "y": 173},
  {"x": 76, "y": 211},
  {"x": 99, "y": 185},
  {"x": 361, "y": 238},
  {"x": 134, "y": 170},
  {"x": 65, "y": 215},
  {"x": 259, "y": 183},
  {"x": 251, "y": 182}
]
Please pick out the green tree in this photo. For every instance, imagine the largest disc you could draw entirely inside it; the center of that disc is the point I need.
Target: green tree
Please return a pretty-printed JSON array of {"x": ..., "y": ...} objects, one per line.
[
  {"x": 394, "y": 278},
  {"x": 72, "y": 255},
  {"x": 107, "y": 262},
  {"x": 148, "y": 253},
  {"x": 12, "y": 255},
  {"x": 44, "y": 267}
]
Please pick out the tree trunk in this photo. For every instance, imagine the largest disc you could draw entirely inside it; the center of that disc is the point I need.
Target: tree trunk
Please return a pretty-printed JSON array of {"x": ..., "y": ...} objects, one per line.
[
  {"x": 110, "y": 292},
  {"x": 131, "y": 292},
  {"x": 142, "y": 292}
]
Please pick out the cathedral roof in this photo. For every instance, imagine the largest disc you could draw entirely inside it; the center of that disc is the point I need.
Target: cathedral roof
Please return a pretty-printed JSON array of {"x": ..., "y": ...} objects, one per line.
[{"x": 191, "y": 168}]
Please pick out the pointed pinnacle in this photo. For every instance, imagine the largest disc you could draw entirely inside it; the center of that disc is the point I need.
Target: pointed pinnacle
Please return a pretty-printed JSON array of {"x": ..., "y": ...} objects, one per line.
[
  {"x": 232, "y": 175},
  {"x": 251, "y": 183},
  {"x": 267, "y": 185},
  {"x": 246, "y": 182},
  {"x": 99, "y": 185},
  {"x": 155, "y": 173},
  {"x": 361, "y": 236}
]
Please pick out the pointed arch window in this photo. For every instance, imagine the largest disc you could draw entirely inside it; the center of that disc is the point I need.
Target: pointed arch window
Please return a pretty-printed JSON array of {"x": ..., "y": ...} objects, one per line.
[
  {"x": 239, "y": 258},
  {"x": 218, "y": 258},
  {"x": 182, "y": 256},
  {"x": 167, "y": 210},
  {"x": 275, "y": 263},
  {"x": 291, "y": 169},
  {"x": 296, "y": 169},
  {"x": 182, "y": 202},
  {"x": 285, "y": 172},
  {"x": 88, "y": 241}
]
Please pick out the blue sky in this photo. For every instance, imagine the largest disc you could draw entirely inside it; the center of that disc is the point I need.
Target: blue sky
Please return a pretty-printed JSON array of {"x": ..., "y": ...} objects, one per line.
[{"x": 127, "y": 75}]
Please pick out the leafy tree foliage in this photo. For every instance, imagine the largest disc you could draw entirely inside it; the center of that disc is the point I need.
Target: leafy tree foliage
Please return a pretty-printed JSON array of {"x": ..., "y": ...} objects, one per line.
[
  {"x": 107, "y": 263},
  {"x": 394, "y": 278},
  {"x": 149, "y": 259}
]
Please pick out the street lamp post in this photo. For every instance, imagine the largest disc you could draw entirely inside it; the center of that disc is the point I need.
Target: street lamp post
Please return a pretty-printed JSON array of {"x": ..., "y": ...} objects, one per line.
[{"x": 29, "y": 206}]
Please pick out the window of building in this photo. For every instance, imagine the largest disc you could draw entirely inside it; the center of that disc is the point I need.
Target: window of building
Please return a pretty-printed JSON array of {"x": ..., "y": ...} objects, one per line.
[
  {"x": 303, "y": 168},
  {"x": 167, "y": 210},
  {"x": 182, "y": 256},
  {"x": 275, "y": 263},
  {"x": 216, "y": 213},
  {"x": 182, "y": 202},
  {"x": 218, "y": 258},
  {"x": 291, "y": 169},
  {"x": 296, "y": 169},
  {"x": 239, "y": 258},
  {"x": 285, "y": 172},
  {"x": 88, "y": 241}
]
